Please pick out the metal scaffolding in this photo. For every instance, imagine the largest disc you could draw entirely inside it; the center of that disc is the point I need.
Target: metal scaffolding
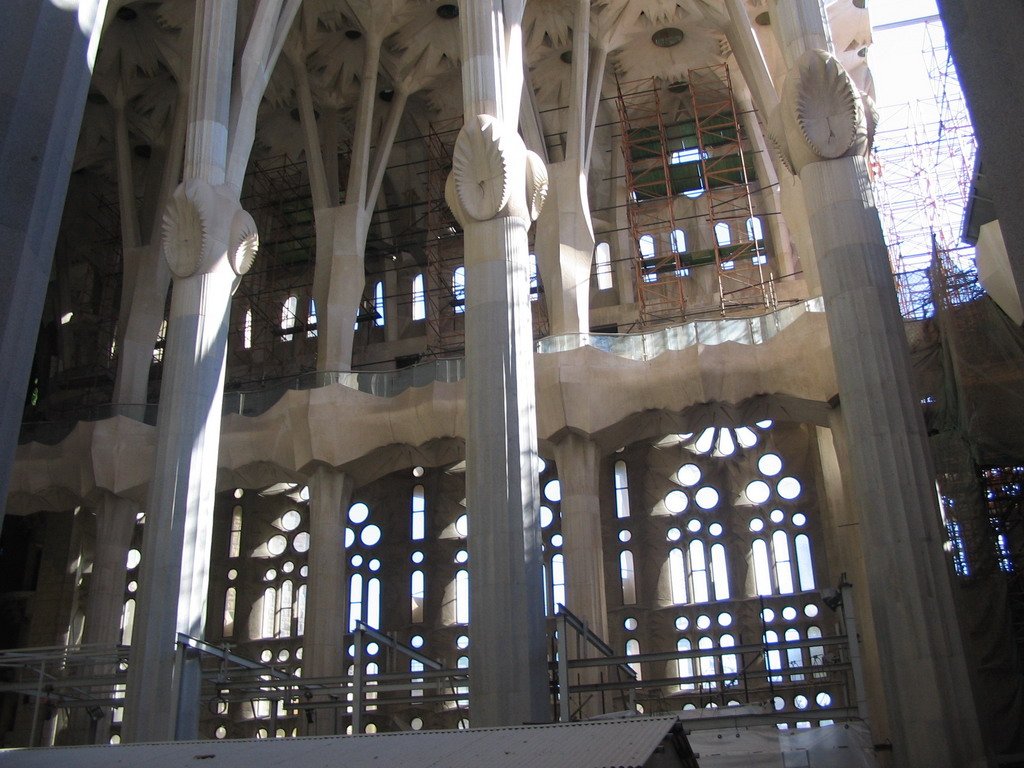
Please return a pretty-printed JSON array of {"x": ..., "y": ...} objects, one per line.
[{"x": 744, "y": 279}]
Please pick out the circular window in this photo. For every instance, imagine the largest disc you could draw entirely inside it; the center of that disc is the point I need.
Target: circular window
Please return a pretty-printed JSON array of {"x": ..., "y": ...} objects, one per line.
[
  {"x": 553, "y": 491},
  {"x": 220, "y": 733},
  {"x": 287, "y": 567},
  {"x": 788, "y": 488},
  {"x": 682, "y": 623},
  {"x": 358, "y": 513},
  {"x": 304, "y": 571},
  {"x": 547, "y": 517},
  {"x": 372, "y": 649},
  {"x": 350, "y": 537},
  {"x": 779, "y": 703},
  {"x": 270, "y": 575},
  {"x": 673, "y": 534},
  {"x": 676, "y": 501},
  {"x": 461, "y": 556},
  {"x": 417, "y": 471},
  {"x": 810, "y": 610},
  {"x": 630, "y": 624},
  {"x": 703, "y": 621},
  {"x": 777, "y": 516},
  {"x": 799, "y": 519},
  {"x": 301, "y": 541},
  {"x": 767, "y": 615},
  {"x": 625, "y": 536},
  {"x": 304, "y": 493},
  {"x": 800, "y": 701},
  {"x": 667, "y": 37},
  {"x": 232, "y": 574},
  {"x": 756, "y": 524},
  {"x": 266, "y": 655},
  {"x": 416, "y": 641},
  {"x": 556, "y": 540},
  {"x": 715, "y": 529},
  {"x": 134, "y": 558},
  {"x": 462, "y": 526},
  {"x": 290, "y": 520},
  {"x": 789, "y": 613},
  {"x": 462, "y": 642},
  {"x": 693, "y": 526},
  {"x": 132, "y": 586},
  {"x": 758, "y": 491},
  {"x": 239, "y": 493},
  {"x": 416, "y": 723},
  {"x": 706, "y": 497},
  {"x": 357, "y": 560},
  {"x": 370, "y": 535},
  {"x": 374, "y": 565},
  {"x": 688, "y": 475},
  {"x": 541, "y": 465},
  {"x": 283, "y": 655},
  {"x": 417, "y": 557},
  {"x": 823, "y": 700},
  {"x": 769, "y": 464},
  {"x": 725, "y": 619}
]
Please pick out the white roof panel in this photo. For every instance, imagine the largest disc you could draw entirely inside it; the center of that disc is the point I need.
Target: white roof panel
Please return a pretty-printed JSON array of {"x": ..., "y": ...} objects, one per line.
[{"x": 603, "y": 744}]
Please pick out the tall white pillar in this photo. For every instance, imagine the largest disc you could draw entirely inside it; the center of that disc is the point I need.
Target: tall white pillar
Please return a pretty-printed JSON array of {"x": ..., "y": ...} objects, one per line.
[
  {"x": 209, "y": 241},
  {"x": 49, "y": 49},
  {"x": 495, "y": 195},
  {"x": 323, "y": 646},
  {"x": 824, "y": 138},
  {"x": 579, "y": 460}
]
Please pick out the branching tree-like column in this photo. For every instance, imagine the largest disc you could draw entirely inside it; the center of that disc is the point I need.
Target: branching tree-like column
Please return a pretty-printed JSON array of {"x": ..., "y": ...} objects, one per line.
[
  {"x": 496, "y": 188},
  {"x": 209, "y": 242},
  {"x": 822, "y": 132}
]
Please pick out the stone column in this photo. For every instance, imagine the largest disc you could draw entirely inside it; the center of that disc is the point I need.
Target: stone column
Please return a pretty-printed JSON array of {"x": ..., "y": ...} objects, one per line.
[
  {"x": 115, "y": 525},
  {"x": 49, "y": 49},
  {"x": 495, "y": 189},
  {"x": 579, "y": 461},
  {"x": 209, "y": 241},
  {"x": 824, "y": 137},
  {"x": 323, "y": 646}
]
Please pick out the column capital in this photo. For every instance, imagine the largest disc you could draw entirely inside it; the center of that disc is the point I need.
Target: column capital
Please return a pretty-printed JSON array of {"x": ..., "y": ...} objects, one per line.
[{"x": 205, "y": 230}]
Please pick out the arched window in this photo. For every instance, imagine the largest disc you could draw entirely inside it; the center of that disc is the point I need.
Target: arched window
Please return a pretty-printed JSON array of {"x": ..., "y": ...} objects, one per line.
[
  {"x": 417, "y": 589},
  {"x": 633, "y": 649},
  {"x": 706, "y": 664},
  {"x": 534, "y": 281},
  {"x": 762, "y": 567},
  {"x": 300, "y": 610},
  {"x": 247, "y": 329},
  {"x": 269, "y": 612},
  {"x": 462, "y": 597},
  {"x": 621, "y": 490},
  {"x": 288, "y": 310},
  {"x": 804, "y": 565},
  {"x": 723, "y": 235},
  {"x": 355, "y": 601},
  {"x": 373, "y": 603},
  {"x": 628, "y": 577},
  {"x": 678, "y": 241},
  {"x": 684, "y": 667},
  {"x": 783, "y": 566},
  {"x": 127, "y": 621},
  {"x": 311, "y": 324},
  {"x": 603, "y": 266},
  {"x": 230, "y": 597},
  {"x": 419, "y": 298},
  {"x": 284, "y": 611},
  {"x": 754, "y": 230},
  {"x": 772, "y": 656},
  {"x": 558, "y": 579},
  {"x": 459, "y": 289},
  {"x": 677, "y": 575},
  {"x": 647, "y": 246},
  {"x": 719, "y": 572},
  {"x": 419, "y": 514},
  {"x": 794, "y": 656},
  {"x": 378, "y": 304},
  {"x": 698, "y": 572}
]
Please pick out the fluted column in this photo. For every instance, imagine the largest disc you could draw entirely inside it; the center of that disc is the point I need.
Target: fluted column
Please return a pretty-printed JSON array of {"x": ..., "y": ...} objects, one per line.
[
  {"x": 323, "y": 646},
  {"x": 822, "y": 130},
  {"x": 495, "y": 191},
  {"x": 579, "y": 461},
  {"x": 208, "y": 241}
]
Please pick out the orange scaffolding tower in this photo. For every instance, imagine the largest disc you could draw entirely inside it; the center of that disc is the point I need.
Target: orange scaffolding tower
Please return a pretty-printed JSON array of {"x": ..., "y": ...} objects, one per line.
[
  {"x": 446, "y": 299},
  {"x": 658, "y": 266},
  {"x": 741, "y": 260}
]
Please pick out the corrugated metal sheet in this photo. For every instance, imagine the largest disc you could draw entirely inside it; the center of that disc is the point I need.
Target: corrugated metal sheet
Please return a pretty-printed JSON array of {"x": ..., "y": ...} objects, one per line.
[{"x": 607, "y": 744}]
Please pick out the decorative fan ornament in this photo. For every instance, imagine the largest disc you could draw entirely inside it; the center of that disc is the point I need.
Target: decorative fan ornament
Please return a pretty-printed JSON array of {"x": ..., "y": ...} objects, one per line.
[
  {"x": 184, "y": 227},
  {"x": 822, "y": 116},
  {"x": 536, "y": 184},
  {"x": 244, "y": 244},
  {"x": 480, "y": 165}
]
